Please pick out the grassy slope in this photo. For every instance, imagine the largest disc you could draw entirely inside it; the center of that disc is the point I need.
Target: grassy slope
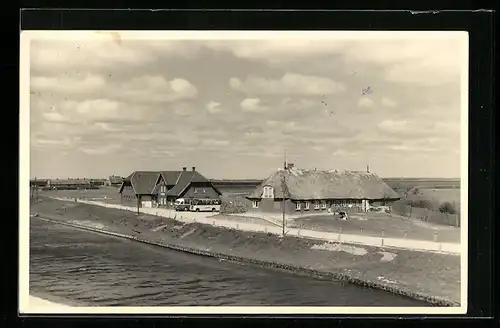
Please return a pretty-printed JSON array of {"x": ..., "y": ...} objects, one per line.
[{"x": 410, "y": 271}]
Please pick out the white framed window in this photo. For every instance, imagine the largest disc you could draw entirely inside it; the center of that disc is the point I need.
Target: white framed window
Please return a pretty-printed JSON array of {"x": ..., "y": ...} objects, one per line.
[
  {"x": 195, "y": 190},
  {"x": 255, "y": 204},
  {"x": 203, "y": 190},
  {"x": 268, "y": 192},
  {"x": 316, "y": 205},
  {"x": 297, "y": 206},
  {"x": 306, "y": 205},
  {"x": 323, "y": 204}
]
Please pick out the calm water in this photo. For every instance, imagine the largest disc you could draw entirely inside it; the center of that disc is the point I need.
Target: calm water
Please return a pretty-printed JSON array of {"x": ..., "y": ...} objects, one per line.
[{"x": 92, "y": 269}]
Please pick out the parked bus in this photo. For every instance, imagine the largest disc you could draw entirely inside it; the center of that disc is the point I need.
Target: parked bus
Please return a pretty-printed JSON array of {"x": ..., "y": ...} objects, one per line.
[
  {"x": 205, "y": 205},
  {"x": 182, "y": 204}
]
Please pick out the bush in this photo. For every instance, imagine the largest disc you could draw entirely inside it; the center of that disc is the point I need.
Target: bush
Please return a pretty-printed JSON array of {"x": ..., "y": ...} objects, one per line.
[
  {"x": 448, "y": 208},
  {"x": 422, "y": 203},
  {"x": 229, "y": 208}
]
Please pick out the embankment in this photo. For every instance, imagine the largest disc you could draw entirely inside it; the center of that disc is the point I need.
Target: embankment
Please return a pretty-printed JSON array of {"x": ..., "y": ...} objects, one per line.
[{"x": 431, "y": 277}]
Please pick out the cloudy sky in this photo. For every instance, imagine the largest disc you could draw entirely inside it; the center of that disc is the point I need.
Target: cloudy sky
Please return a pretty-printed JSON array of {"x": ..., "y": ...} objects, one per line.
[{"x": 231, "y": 107}]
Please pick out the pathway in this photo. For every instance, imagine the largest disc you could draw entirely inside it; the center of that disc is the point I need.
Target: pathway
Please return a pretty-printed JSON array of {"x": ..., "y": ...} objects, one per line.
[{"x": 208, "y": 218}]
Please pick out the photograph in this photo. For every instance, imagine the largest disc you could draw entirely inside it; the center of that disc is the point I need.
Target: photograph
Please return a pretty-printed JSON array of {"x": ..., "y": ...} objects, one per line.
[{"x": 243, "y": 172}]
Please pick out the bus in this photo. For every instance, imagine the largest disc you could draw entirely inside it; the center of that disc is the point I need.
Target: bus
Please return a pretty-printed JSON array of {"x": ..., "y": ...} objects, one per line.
[
  {"x": 205, "y": 205},
  {"x": 182, "y": 204}
]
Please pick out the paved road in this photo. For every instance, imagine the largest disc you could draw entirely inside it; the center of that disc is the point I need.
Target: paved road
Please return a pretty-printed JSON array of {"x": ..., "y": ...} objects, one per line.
[{"x": 208, "y": 218}]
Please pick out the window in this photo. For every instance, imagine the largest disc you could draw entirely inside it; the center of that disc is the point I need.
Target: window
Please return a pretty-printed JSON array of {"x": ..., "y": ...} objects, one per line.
[
  {"x": 306, "y": 205},
  {"x": 297, "y": 206},
  {"x": 203, "y": 190},
  {"x": 195, "y": 190},
  {"x": 316, "y": 205},
  {"x": 268, "y": 192},
  {"x": 255, "y": 204},
  {"x": 323, "y": 204}
]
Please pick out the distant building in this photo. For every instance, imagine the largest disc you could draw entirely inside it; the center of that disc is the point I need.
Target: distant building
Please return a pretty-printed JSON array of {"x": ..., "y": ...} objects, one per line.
[
  {"x": 69, "y": 184},
  {"x": 162, "y": 188},
  {"x": 309, "y": 191},
  {"x": 39, "y": 183},
  {"x": 115, "y": 181}
]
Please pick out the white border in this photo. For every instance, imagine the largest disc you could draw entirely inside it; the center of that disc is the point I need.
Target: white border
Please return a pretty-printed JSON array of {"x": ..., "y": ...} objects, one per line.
[{"x": 24, "y": 160}]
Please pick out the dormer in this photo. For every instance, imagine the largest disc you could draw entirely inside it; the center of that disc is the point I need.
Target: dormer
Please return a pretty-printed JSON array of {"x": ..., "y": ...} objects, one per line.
[{"x": 268, "y": 192}]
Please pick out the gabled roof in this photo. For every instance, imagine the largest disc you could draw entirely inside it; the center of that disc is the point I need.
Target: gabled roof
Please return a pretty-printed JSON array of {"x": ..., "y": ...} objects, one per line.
[
  {"x": 303, "y": 184},
  {"x": 144, "y": 182},
  {"x": 171, "y": 177}
]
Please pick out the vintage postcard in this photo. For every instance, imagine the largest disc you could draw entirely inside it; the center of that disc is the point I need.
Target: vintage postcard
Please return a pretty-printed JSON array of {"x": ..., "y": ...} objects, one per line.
[{"x": 243, "y": 172}]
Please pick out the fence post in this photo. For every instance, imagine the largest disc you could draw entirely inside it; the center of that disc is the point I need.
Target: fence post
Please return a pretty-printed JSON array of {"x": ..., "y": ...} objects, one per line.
[
  {"x": 298, "y": 232},
  {"x": 435, "y": 236},
  {"x": 406, "y": 234},
  {"x": 361, "y": 228},
  {"x": 383, "y": 232}
]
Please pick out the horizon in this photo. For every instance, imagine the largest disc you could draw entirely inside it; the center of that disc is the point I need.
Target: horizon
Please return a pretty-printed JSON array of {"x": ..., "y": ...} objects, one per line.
[{"x": 232, "y": 107}]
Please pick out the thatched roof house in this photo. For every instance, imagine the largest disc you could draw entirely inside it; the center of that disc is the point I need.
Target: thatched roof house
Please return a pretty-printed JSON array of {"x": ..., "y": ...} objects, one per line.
[{"x": 322, "y": 188}]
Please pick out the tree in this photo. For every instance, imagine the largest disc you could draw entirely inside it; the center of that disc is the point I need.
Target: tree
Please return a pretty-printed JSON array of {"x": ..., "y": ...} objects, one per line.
[{"x": 448, "y": 208}]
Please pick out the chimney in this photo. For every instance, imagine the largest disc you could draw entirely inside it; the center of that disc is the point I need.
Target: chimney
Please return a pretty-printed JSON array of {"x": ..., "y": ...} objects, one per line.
[
  {"x": 194, "y": 168},
  {"x": 184, "y": 168},
  {"x": 290, "y": 166}
]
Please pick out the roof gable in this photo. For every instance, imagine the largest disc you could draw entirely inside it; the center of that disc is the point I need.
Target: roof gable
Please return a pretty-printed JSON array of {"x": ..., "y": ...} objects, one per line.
[
  {"x": 171, "y": 177},
  {"x": 144, "y": 182}
]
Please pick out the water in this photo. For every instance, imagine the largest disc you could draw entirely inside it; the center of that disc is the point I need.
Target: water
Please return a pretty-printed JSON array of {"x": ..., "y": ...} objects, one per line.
[{"x": 89, "y": 269}]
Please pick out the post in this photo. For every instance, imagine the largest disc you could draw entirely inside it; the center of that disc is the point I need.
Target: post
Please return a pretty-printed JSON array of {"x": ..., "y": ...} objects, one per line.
[
  {"x": 283, "y": 202},
  {"x": 435, "y": 236},
  {"x": 382, "y": 237},
  {"x": 138, "y": 212}
]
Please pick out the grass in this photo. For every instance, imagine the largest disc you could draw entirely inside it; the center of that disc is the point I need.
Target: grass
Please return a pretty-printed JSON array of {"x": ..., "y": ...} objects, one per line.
[
  {"x": 406, "y": 272},
  {"x": 372, "y": 224}
]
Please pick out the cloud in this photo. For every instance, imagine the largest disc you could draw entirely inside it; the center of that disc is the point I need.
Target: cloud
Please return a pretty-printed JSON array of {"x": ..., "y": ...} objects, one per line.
[
  {"x": 54, "y": 117},
  {"x": 213, "y": 107},
  {"x": 252, "y": 105},
  {"x": 156, "y": 89},
  {"x": 67, "y": 85},
  {"x": 100, "y": 149},
  {"x": 405, "y": 59},
  {"x": 388, "y": 102},
  {"x": 365, "y": 102},
  {"x": 289, "y": 83},
  {"x": 103, "y": 53}
]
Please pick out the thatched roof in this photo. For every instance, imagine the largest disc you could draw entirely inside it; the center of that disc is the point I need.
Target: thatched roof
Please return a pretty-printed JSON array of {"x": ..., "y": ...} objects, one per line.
[{"x": 303, "y": 184}]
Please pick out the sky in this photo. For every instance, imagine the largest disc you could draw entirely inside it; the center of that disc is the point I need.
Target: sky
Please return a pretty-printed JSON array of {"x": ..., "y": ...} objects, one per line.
[{"x": 232, "y": 107}]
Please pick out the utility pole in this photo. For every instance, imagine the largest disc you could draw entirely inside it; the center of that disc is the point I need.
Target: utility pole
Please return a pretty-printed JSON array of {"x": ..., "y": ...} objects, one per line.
[{"x": 283, "y": 188}]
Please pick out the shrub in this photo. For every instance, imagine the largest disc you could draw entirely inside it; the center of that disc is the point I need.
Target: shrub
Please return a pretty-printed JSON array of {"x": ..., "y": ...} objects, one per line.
[
  {"x": 422, "y": 203},
  {"x": 448, "y": 208}
]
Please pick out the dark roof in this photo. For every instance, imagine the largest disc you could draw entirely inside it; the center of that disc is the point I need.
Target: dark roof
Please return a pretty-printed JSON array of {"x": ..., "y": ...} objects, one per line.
[
  {"x": 171, "y": 177},
  {"x": 144, "y": 182},
  {"x": 321, "y": 184},
  {"x": 183, "y": 182}
]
